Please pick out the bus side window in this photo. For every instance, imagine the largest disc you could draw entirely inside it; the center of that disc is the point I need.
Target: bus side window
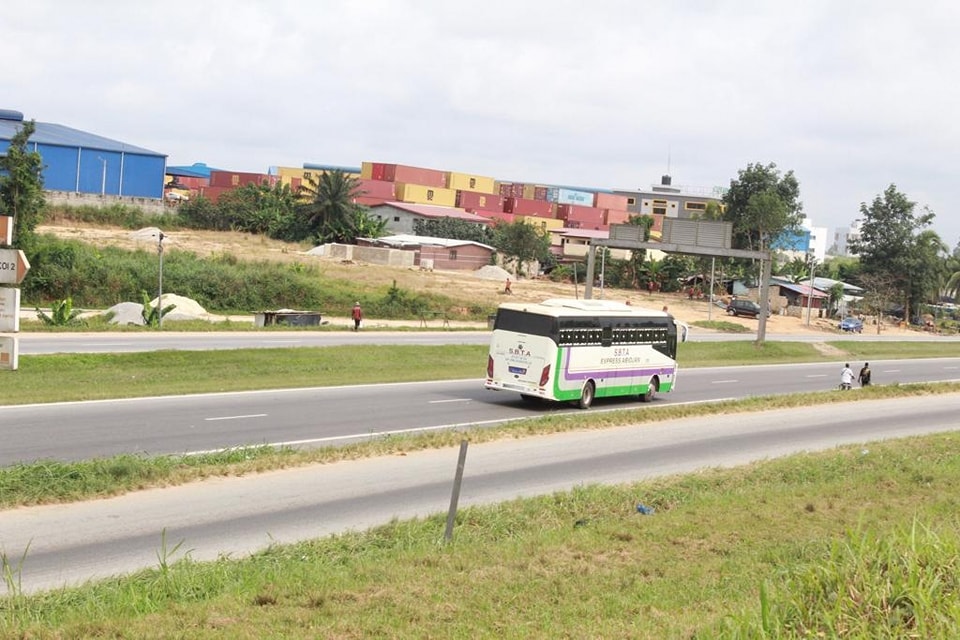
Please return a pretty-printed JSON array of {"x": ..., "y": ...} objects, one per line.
[{"x": 606, "y": 336}]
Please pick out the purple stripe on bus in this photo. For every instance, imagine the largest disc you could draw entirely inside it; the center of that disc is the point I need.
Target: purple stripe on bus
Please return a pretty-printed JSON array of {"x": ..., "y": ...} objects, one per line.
[{"x": 612, "y": 373}]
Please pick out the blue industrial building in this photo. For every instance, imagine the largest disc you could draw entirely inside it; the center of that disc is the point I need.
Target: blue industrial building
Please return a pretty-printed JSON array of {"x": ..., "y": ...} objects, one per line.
[{"x": 79, "y": 162}]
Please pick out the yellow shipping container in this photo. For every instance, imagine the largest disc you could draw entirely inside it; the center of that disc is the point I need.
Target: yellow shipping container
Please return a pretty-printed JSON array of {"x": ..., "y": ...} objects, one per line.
[
  {"x": 541, "y": 223},
  {"x": 286, "y": 174},
  {"x": 469, "y": 182},
  {"x": 366, "y": 170},
  {"x": 316, "y": 173},
  {"x": 420, "y": 194}
]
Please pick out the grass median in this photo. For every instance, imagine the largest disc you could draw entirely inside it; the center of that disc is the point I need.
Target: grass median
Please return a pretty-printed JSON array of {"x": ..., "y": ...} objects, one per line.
[{"x": 850, "y": 543}]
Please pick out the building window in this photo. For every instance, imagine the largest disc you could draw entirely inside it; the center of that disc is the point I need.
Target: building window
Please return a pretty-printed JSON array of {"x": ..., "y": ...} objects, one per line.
[
  {"x": 453, "y": 254},
  {"x": 695, "y": 206},
  {"x": 631, "y": 201},
  {"x": 396, "y": 218}
]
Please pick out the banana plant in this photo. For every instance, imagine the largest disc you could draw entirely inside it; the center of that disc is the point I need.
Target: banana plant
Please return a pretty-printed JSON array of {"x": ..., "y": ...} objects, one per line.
[
  {"x": 62, "y": 314},
  {"x": 152, "y": 314}
]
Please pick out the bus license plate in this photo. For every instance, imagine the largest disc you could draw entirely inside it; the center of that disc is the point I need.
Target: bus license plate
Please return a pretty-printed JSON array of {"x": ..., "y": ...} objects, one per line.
[{"x": 517, "y": 370}]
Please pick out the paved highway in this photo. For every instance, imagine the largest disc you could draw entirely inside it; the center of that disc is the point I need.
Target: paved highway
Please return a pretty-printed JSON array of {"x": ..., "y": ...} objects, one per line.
[
  {"x": 42, "y": 343},
  {"x": 59, "y": 545},
  {"x": 331, "y": 415}
]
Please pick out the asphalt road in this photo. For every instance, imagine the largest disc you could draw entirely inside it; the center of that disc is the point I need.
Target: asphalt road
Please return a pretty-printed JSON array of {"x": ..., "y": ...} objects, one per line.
[
  {"x": 44, "y": 343},
  {"x": 51, "y": 546},
  {"x": 332, "y": 415}
]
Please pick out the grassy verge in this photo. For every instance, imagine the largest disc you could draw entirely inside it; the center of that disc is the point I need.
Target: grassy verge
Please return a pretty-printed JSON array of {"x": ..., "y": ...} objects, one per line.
[
  {"x": 65, "y": 377},
  {"x": 852, "y": 543}
]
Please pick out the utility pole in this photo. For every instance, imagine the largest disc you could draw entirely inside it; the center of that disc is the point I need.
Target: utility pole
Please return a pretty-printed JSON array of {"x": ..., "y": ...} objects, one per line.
[{"x": 160, "y": 285}]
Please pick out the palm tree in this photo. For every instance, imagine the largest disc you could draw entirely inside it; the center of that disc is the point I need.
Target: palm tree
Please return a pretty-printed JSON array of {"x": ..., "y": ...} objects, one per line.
[{"x": 329, "y": 211}]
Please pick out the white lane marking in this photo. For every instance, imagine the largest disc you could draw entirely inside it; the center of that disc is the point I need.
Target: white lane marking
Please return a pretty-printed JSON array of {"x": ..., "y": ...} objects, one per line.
[
  {"x": 724, "y": 381},
  {"x": 817, "y": 375},
  {"x": 451, "y": 400},
  {"x": 891, "y": 370},
  {"x": 252, "y": 415},
  {"x": 107, "y": 344},
  {"x": 439, "y": 427},
  {"x": 950, "y": 368}
]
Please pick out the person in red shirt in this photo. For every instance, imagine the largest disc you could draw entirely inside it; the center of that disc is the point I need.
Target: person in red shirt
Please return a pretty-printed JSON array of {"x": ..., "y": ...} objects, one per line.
[{"x": 357, "y": 316}]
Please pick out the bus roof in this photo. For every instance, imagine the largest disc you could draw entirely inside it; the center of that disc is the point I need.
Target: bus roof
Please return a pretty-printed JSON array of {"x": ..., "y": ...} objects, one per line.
[{"x": 578, "y": 307}]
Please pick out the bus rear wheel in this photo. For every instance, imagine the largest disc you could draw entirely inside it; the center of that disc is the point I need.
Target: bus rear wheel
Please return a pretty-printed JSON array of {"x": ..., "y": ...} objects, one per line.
[
  {"x": 586, "y": 395},
  {"x": 651, "y": 391}
]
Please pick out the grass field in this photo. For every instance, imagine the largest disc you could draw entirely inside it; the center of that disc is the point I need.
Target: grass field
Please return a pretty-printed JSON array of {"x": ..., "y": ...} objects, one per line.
[{"x": 856, "y": 543}]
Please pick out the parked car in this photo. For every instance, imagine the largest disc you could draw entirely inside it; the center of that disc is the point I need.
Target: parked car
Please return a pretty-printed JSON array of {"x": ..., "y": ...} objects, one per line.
[
  {"x": 745, "y": 308},
  {"x": 854, "y": 325}
]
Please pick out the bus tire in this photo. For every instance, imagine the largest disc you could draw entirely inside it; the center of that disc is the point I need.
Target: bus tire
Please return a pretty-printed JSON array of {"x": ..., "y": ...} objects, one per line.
[
  {"x": 586, "y": 395},
  {"x": 528, "y": 399},
  {"x": 651, "y": 390}
]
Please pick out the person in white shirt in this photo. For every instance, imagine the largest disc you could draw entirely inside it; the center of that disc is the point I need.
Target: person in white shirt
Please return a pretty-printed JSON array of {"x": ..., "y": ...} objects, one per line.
[{"x": 846, "y": 377}]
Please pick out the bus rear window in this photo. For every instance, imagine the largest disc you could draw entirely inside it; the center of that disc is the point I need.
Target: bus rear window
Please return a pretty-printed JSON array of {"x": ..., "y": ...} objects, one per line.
[{"x": 528, "y": 323}]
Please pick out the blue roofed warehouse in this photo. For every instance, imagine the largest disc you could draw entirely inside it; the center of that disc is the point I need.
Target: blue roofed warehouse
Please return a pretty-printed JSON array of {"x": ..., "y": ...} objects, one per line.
[{"x": 80, "y": 162}]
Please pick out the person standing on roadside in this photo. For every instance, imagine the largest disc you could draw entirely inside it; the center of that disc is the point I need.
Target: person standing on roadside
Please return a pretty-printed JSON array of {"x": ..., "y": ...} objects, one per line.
[
  {"x": 846, "y": 377},
  {"x": 357, "y": 315},
  {"x": 865, "y": 375}
]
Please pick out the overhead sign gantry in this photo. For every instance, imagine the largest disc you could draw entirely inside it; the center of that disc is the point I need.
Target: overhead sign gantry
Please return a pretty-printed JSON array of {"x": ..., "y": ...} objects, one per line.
[{"x": 691, "y": 237}]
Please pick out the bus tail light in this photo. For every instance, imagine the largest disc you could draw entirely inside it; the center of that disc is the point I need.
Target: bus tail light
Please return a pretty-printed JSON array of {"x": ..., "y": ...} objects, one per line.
[
  {"x": 545, "y": 376},
  {"x": 489, "y": 366}
]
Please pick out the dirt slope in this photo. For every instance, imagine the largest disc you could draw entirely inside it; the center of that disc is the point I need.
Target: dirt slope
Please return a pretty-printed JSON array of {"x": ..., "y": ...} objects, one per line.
[{"x": 463, "y": 285}]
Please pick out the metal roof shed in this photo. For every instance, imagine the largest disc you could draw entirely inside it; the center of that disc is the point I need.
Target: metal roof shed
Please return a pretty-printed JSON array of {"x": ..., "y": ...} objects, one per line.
[{"x": 81, "y": 162}]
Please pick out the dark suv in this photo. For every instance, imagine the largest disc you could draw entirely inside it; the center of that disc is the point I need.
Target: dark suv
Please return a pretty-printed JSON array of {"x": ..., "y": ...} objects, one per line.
[{"x": 746, "y": 308}]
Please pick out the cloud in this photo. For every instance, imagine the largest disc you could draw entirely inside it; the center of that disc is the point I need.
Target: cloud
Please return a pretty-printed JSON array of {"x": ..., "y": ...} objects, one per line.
[{"x": 852, "y": 96}]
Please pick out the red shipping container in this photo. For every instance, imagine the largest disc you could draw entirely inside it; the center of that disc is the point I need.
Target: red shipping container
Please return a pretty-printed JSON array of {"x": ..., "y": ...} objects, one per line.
[
  {"x": 378, "y": 189},
  {"x": 477, "y": 200},
  {"x": 233, "y": 179},
  {"x": 415, "y": 175},
  {"x": 378, "y": 169},
  {"x": 213, "y": 193},
  {"x": 368, "y": 201},
  {"x": 614, "y": 216},
  {"x": 524, "y": 207},
  {"x": 575, "y": 212},
  {"x": 610, "y": 201},
  {"x": 540, "y": 193},
  {"x": 505, "y": 189},
  {"x": 496, "y": 216}
]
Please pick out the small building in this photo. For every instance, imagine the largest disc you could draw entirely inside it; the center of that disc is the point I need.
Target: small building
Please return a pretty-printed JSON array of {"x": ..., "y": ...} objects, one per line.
[
  {"x": 669, "y": 200},
  {"x": 796, "y": 295},
  {"x": 400, "y": 216},
  {"x": 437, "y": 253}
]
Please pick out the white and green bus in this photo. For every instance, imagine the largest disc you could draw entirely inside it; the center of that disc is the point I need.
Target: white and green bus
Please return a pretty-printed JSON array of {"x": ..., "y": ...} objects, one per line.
[{"x": 571, "y": 350}]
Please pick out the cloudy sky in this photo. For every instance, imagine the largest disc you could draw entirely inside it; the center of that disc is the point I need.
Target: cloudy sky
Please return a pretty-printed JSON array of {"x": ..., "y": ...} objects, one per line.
[{"x": 851, "y": 95}]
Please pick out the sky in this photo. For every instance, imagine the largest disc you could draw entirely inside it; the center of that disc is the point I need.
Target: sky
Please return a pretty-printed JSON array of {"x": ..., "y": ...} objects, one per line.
[{"x": 852, "y": 95}]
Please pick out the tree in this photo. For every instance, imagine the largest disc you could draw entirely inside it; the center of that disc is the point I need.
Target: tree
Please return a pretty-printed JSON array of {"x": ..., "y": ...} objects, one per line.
[
  {"x": 21, "y": 186},
  {"x": 762, "y": 205},
  {"x": 330, "y": 215},
  {"x": 521, "y": 243},
  {"x": 454, "y": 229},
  {"x": 892, "y": 249},
  {"x": 635, "y": 263}
]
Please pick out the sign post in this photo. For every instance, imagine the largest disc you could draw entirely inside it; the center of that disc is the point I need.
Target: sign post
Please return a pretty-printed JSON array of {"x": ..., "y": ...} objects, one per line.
[
  {"x": 6, "y": 230},
  {"x": 13, "y": 268}
]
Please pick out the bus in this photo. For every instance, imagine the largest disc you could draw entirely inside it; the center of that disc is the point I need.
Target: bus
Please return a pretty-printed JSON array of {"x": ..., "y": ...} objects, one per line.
[{"x": 572, "y": 350}]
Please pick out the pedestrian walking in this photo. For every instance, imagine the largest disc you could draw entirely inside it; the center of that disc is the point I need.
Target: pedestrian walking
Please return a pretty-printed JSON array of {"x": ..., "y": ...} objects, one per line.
[
  {"x": 506, "y": 287},
  {"x": 865, "y": 375},
  {"x": 846, "y": 378},
  {"x": 357, "y": 316}
]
